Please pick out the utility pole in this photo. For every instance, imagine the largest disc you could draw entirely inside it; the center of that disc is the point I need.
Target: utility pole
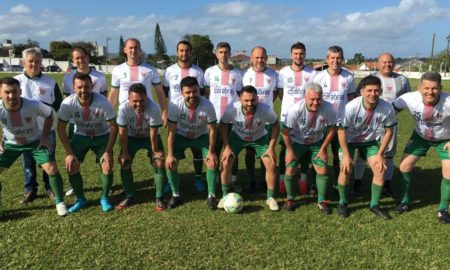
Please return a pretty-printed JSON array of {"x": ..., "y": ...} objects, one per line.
[{"x": 107, "y": 52}]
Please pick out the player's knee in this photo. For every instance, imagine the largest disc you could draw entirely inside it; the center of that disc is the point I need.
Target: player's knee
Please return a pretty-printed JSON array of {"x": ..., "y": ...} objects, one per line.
[{"x": 51, "y": 168}]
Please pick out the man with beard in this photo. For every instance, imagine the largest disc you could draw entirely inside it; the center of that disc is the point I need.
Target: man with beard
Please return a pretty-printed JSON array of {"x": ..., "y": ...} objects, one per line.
[
  {"x": 171, "y": 83},
  {"x": 192, "y": 123}
]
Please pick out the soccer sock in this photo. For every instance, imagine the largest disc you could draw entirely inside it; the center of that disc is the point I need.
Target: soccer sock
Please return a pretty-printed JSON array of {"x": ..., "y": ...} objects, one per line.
[
  {"x": 342, "y": 194},
  {"x": 174, "y": 181},
  {"x": 56, "y": 184},
  {"x": 321, "y": 180},
  {"x": 225, "y": 189},
  {"x": 405, "y": 182},
  {"x": 376, "y": 194},
  {"x": 269, "y": 193},
  {"x": 107, "y": 181},
  {"x": 127, "y": 182},
  {"x": 390, "y": 169},
  {"x": 211, "y": 180},
  {"x": 159, "y": 181},
  {"x": 289, "y": 182},
  {"x": 445, "y": 194},
  {"x": 76, "y": 181},
  {"x": 250, "y": 165}
]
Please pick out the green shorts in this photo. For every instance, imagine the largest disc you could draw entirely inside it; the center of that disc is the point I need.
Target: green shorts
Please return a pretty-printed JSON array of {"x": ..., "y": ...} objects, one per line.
[
  {"x": 82, "y": 144},
  {"x": 301, "y": 149},
  {"x": 237, "y": 144},
  {"x": 366, "y": 149},
  {"x": 11, "y": 152},
  {"x": 182, "y": 143},
  {"x": 418, "y": 146},
  {"x": 136, "y": 143}
]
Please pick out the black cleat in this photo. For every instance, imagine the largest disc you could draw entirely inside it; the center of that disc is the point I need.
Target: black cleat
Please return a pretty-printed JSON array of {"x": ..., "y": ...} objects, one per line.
[
  {"x": 342, "y": 210},
  {"x": 289, "y": 205},
  {"x": 377, "y": 210},
  {"x": 127, "y": 202},
  {"x": 324, "y": 207},
  {"x": 402, "y": 208},
  {"x": 174, "y": 202},
  {"x": 160, "y": 205},
  {"x": 28, "y": 197},
  {"x": 212, "y": 203},
  {"x": 443, "y": 216}
]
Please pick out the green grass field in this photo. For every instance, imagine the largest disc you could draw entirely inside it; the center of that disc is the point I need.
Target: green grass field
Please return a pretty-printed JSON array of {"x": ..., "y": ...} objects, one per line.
[{"x": 194, "y": 237}]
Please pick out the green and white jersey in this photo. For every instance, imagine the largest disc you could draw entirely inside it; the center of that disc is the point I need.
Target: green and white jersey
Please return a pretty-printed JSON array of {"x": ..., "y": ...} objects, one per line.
[
  {"x": 21, "y": 127},
  {"x": 362, "y": 124},
  {"x": 309, "y": 127},
  {"x": 98, "y": 82},
  {"x": 173, "y": 76},
  {"x": 224, "y": 86},
  {"x": 138, "y": 124},
  {"x": 249, "y": 127},
  {"x": 293, "y": 84},
  {"x": 192, "y": 123},
  {"x": 265, "y": 83},
  {"x": 432, "y": 121},
  {"x": 125, "y": 75},
  {"x": 393, "y": 87},
  {"x": 89, "y": 120}
]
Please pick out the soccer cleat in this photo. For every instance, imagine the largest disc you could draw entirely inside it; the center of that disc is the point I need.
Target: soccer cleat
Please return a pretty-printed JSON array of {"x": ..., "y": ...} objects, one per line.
[
  {"x": 50, "y": 194},
  {"x": 281, "y": 186},
  {"x": 61, "y": 209},
  {"x": 127, "y": 202},
  {"x": 70, "y": 192},
  {"x": 377, "y": 210},
  {"x": 199, "y": 185},
  {"x": 106, "y": 205},
  {"x": 342, "y": 210},
  {"x": 401, "y": 208},
  {"x": 28, "y": 197},
  {"x": 167, "y": 188},
  {"x": 273, "y": 205},
  {"x": 289, "y": 205},
  {"x": 220, "y": 205},
  {"x": 313, "y": 191},
  {"x": 303, "y": 187},
  {"x": 324, "y": 207},
  {"x": 160, "y": 205},
  {"x": 443, "y": 216},
  {"x": 236, "y": 187},
  {"x": 78, "y": 205},
  {"x": 212, "y": 203},
  {"x": 174, "y": 202}
]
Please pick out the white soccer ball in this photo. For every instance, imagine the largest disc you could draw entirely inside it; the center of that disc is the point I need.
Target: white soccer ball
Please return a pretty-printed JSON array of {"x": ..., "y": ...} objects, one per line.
[{"x": 233, "y": 203}]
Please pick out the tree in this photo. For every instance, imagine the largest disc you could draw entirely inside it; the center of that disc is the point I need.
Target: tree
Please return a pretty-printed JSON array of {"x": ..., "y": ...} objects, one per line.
[
  {"x": 60, "y": 50},
  {"x": 19, "y": 48},
  {"x": 160, "y": 47},
  {"x": 202, "y": 50},
  {"x": 121, "y": 57},
  {"x": 358, "y": 58}
]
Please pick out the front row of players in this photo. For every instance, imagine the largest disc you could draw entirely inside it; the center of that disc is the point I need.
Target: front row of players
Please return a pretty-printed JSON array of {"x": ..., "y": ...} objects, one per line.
[{"x": 309, "y": 126}]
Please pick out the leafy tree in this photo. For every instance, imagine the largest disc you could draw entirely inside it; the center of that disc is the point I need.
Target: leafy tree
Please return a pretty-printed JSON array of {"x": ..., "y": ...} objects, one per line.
[
  {"x": 19, "y": 48},
  {"x": 202, "y": 50},
  {"x": 60, "y": 50},
  {"x": 160, "y": 55},
  {"x": 358, "y": 58},
  {"x": 121, "y": 57}
]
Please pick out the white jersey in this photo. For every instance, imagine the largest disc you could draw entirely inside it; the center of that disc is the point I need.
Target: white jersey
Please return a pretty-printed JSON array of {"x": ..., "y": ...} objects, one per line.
[
  {"x": 192, "y": 123},
  {"x": 173, "y": 76},
  {"x": 21, "y": 127},
  {"x": 393, "y": 86},
  {"x": 293, "y": 84},
  {"x": 249, "y": 127},
  {"x": 336, "y": 88},
  {"x": 125, "y": 75},
  {"x": 265, "y": 83},
  {"x": 361, "y": 124},
  {"x": 138, "y": 124},
  {"x": 223, "y": 87},
  {"x": 432, "y": 122},
  {"x": 308, "y": 127},
  {"x": 98, "y": 82},
  {"x": 89, "y": 120}
]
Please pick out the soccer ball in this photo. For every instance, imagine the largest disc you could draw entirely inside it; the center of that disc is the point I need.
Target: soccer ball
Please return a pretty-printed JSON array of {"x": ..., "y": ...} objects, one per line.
[{"x": 233, "y": 203}]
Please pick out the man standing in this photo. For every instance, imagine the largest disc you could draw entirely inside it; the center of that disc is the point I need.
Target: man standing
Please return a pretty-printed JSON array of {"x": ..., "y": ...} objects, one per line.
[
  {"x": 171, "y": 83},
  {"x": 19, "y": 119},
  {"x": 362, "y": 117},
  {"x": 248, "y": 118},
  {"x": 309, "y": 126},
  {"x": 430, "y": 108},
  {"x": 95, "y": 129},
  {"x": 264, "y": 79},
  {"x": 192, "y": 123},
  {"x": 139, "y": 120},
  {"x": 43, "y": 88}
]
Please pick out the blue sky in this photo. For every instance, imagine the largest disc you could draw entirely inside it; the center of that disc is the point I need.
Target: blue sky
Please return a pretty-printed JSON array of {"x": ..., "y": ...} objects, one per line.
[{"x": 404, "y": 28}]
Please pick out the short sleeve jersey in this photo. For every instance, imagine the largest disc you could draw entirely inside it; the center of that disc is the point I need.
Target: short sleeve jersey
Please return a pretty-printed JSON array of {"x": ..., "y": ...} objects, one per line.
[
  {"x": 124, "y": 75},
  {"x": 173, "y": 76},
  {"x": 192, "y": 123},
  {"x": 432, "y": 122},
  {"x": 224, "y": 86},
  {"x": 336, "y": 88},
  {"x": 293, "y": 84},
  {"x": 393, "y": 87},
  {"x": 265, "y": 83},
  {"x": 98, "y": 82},
  {"x": 21, "y": 127},
  {"x": 249, "y": 127},
  {"x": 89, "y": 120},
  {"x": 138, "y": 124},
  {"x": 308, "y": 127}
]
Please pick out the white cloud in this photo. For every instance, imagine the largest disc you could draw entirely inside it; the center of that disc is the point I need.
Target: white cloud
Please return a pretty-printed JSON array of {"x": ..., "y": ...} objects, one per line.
[
  {"x": 20, "y": 9},
  {"x": 87, "y": 21},
  {"x": 236, "y": 8}
]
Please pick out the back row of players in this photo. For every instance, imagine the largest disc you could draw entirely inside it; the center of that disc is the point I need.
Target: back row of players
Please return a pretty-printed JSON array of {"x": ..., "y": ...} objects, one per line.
[{"x": 315, "y": 106}]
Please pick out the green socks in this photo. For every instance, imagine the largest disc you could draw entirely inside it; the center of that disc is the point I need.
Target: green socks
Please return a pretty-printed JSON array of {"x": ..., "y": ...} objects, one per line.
[
  {"x": 211, "y": 180},
  {"x": 127, "y": 182},
  {"x": 76, "y": 181},
  {"x": 174, "y": 181},
  {"x": 107, "y": 181},
  {"x": 289, "y": 182},
  {"x": 159, "y": 181},
  {"x": 342, "y": 194},
  {"x": 321, "y": 181},
  {"x": 376, "y": 194},
  {"x": 445, "y": 194},
  {"x": 226, "y": 189},
  {"x": 56, "y": 184},
  {"x": 269, "y": 193},
  {"x": 405, "y": 183}
]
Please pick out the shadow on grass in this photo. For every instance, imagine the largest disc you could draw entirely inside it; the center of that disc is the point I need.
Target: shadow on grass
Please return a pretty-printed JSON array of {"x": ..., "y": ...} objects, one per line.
[{"x": 12, "y": 215}]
